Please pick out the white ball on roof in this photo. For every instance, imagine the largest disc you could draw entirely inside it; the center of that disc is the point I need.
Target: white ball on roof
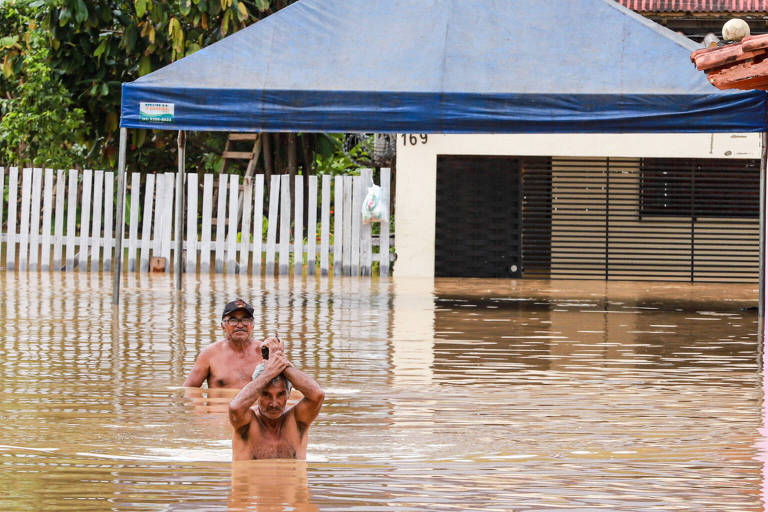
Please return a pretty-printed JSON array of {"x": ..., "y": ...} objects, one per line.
[{"x": 735, "y": 30}]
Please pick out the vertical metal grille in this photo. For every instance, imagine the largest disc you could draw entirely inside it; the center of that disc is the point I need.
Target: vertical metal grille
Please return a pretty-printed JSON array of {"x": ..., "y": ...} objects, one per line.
[
  {"x": 641, "y": 219},
  {"x": 478, "y": 222}
]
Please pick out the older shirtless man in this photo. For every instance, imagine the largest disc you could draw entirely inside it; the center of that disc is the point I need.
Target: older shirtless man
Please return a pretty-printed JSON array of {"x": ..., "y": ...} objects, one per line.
[
  {"x": 270, "y": 431},
  {"x": 229, "y": 363}
]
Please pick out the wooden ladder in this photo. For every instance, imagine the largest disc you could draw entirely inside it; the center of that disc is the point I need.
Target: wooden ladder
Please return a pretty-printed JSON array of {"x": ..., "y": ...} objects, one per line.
[{"x": 252, "y": 156}]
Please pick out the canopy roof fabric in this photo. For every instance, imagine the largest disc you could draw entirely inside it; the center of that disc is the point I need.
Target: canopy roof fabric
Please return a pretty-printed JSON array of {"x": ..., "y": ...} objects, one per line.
[{"x": 443, "y": 66}]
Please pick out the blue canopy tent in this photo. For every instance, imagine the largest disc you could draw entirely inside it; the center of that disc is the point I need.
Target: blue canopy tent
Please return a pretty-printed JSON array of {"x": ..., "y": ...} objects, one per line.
[{"x": 440, "y": 66}]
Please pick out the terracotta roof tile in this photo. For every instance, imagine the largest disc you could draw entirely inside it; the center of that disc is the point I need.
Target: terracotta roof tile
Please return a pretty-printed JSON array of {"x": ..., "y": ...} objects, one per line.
[{"x": 742, "y": 65}]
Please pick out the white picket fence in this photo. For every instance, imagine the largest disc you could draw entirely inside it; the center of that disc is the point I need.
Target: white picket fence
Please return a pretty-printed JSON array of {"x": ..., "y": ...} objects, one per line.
[{"x": 35, "y": 237}]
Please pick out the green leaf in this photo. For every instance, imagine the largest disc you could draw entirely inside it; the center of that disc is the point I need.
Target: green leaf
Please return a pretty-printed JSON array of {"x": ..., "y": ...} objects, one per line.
[
  {"x": 104, "y": 90},
  {"x": 101, "y": 48},
  {"x": 186, "y": 7},
  {"x": 81, "y": 11},
  {"x": 129, "y": 39},
  {"x": 64, "y": 16},
  {"x": 145, "y": 65},
  {"x": 7, "y": 67},
  {"x": 225, "y": 23},
  {"x": 141, "y": 7},
  {"x": 140, "y": 138},
  {"x": 242, "y": 12},
  {"x": 262, "y": 5},
  {"x": 8, "y": 42}
]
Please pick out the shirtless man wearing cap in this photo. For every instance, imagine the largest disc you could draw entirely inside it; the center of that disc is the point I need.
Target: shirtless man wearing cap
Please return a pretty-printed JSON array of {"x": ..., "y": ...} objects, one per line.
[{"x": 229, "y": 363}]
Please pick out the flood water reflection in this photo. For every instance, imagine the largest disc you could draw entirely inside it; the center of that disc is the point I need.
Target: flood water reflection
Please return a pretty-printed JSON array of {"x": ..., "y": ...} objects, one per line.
[{"x": 440, "y": 395}]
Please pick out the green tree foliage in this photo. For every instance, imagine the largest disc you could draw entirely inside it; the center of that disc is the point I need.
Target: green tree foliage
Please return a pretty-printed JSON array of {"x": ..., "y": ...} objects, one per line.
[
  {"x": 96, "y": 45},
  {"x": 39, "y": 124}
]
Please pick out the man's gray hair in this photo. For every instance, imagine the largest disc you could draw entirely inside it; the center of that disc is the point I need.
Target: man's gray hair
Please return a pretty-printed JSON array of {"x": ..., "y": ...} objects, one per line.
[{"x": 280, "y": 378}]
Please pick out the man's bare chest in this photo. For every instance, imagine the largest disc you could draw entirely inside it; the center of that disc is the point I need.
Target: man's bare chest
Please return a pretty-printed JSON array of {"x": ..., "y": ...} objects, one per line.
[
  {"x": 233, "y": 370},
  {"x": 279, "y": 449}
]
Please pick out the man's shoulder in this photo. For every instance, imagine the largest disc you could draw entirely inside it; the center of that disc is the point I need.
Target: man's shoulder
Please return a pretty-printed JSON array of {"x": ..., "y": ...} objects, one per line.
[{"x": 214, "y": 348}]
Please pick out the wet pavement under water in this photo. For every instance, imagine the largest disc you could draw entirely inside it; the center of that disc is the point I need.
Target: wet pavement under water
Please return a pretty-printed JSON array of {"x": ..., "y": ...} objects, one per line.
[{"x": 440, "y": 395}]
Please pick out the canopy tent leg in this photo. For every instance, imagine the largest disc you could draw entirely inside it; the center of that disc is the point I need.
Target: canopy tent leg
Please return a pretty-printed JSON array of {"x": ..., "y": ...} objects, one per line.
[
  {"x": 181, "y": 142},
  {"x": 120, "y": 217}
]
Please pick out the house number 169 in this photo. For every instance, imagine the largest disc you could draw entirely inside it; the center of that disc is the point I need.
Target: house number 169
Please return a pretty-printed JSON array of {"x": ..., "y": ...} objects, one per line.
[{"x": 413, "y": 139}]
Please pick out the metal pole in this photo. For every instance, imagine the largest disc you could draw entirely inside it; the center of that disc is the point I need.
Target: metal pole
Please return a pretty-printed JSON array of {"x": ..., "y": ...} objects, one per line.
[
  {"x": 181, "y": 142},
  {"x": 120, "y": 220}
]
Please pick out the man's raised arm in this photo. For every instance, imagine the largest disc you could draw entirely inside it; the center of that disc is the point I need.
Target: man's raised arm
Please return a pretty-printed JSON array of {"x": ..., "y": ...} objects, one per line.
[
  {"x": 308, "y": 407},
  {"x": 239, "y": 407}
]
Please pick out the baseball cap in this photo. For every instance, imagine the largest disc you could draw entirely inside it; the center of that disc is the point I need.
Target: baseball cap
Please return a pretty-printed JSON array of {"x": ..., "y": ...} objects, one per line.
[{"x": 237, "y": 305}]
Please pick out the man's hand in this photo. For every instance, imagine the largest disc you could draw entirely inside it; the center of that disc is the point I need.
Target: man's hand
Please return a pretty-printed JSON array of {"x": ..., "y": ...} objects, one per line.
[
  {"x": 274, "y": 344},
  {"x": 275, "y": 365}
]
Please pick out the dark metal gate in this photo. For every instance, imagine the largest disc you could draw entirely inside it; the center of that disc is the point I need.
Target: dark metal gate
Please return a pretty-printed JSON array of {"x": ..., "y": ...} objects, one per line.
[{"x": 478, "y": 226}]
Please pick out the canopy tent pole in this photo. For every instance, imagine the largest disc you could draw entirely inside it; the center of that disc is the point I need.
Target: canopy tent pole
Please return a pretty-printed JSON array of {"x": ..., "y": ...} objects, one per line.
[
  {"x": 120, "y": 217},
  {"x": 181, "y": 142}
]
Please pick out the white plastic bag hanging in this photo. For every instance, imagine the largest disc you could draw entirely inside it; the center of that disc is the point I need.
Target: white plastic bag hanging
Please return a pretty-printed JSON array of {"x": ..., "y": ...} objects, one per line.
[{"x": 373, "y": 206}]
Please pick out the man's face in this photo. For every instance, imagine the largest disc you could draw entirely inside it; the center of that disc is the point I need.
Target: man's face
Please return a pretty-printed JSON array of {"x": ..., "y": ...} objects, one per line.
[
  {"x": 272, "y": 400},
  {"x": 238, "y": 326}
]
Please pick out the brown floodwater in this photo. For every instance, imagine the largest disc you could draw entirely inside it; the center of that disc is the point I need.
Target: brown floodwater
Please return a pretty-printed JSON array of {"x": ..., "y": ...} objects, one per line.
[{"x": 440, "y": 395}]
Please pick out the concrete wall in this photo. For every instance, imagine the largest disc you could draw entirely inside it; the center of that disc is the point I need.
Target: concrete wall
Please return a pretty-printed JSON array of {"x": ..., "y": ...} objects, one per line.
[{"x": 417, "y": 171}]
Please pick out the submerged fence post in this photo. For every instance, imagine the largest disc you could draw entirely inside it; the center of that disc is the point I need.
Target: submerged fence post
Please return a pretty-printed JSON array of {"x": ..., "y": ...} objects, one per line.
[{"x": 120, "y": 217}]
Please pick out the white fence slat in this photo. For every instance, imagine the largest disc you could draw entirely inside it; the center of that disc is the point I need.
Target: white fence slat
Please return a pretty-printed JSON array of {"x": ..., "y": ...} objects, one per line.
[
  {"x": 274, "y": 200},
  {"x": 384, "y": 226},
  {"x": 13, "y": 191},
  {"x": 157, "y": 228},
  {"x": 206, "y": 222},
  {"x": 357, "y": 220},
  {"x": 191, "y": 222},
  {"x": 71, "y": 219},
  {"x": 146, "y": 225},
  {"x": 231, "y": 251},
  {"x": 245, "y": 233},
  {"x": 311, "y": 224},
  {"x": 366, "y": 250},
  {"x": 169, "y": 190},
  {"x": 347, "y": 239},
  {"x": 133, "y": 223},
  {"x": 338, "y": 224},
  {"x": 58, "y": 222},
  {"x": 258, "y": 223},
  {"x": 34, "y": 219},
  {"x": 285, "y": 223},
  {"x": 109, "y": 194},
  {"x": 85, "y": 219},
  {"x": 26, "y": 188},
  {"x": 45, "y": 256},
  {"x": 96, "y": 240},
  {"x": 298, "y": 227},
  {"x": 325, "y": 223},
  {"x": 176, "y": 220},
  {"x": 221, "y": 221}
]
